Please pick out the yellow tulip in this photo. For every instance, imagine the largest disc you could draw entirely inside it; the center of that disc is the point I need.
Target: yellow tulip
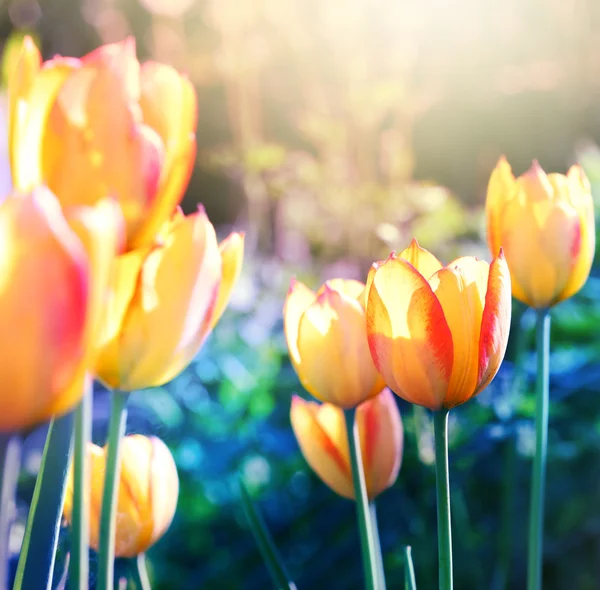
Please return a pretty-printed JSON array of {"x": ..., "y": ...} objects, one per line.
[
  {"x": 103, "y": 126},
  {"x": 545, "y": 225},
  {"x": 165, "y": 300},
  {"x": 54, "y": 275},
  {"x": 327, "y": 342},
  {"x": 321, "y": 433},
  {"x": 438, "y": 334},
  {"x": 147, "y": 497}
]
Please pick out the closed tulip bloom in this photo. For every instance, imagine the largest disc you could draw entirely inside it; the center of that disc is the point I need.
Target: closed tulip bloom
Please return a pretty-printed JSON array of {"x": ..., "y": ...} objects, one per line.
[
  {"x": 147, "y": 496},
  {"x": 327, "y": 342},
  {"x": 438, "y": 334},
  {"x": 545, "y": 225},
  {"x": 103, "y": 126},
  {"x": 53, "y": 278},
  {"x": 165, "y": 300},
  {"x": 321, "y": 433}
]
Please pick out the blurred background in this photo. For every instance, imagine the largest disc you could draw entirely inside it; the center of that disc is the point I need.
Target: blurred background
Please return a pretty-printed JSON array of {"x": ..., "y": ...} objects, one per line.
[{"x": 333, "y": 131}]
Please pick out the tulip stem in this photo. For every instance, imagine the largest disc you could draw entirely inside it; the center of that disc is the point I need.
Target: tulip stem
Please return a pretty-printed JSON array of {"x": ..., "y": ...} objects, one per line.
[
  {"x": 380, "y": 568},
  {"x": 108, "y": 518},
  {"x": 139, "y": 572},
  {"x": 38, "y": 552},
  {"x": 367, "y": 536},
  {"x": 536, "y": 514},
  {"x": 10, "y": 463},
  {"x": 410, "y": 582},
  {"x": 80, "y": 529},
  {"x": 442, "y": 478}
]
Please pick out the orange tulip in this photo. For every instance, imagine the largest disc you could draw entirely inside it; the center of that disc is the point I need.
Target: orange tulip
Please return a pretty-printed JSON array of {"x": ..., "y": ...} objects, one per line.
[
  {"x": 103, "y": 126},
  {"x": 326, "y": 338},
  {"x": 54, "y": 275},
  {"x": 147, "y": 497},
  {"x": 321, "y": 433},
  {"x": 165, "y": 301},
  {"x": 438, "y": 334},
  {"x": 545, "y": 225}
]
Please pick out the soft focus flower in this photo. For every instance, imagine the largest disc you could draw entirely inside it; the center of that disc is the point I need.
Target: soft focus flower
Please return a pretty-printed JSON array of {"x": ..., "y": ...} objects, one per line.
[
  {"x": 148, "y": 491},
  {"x": 438, "y": 334},
  {"x": 165, "y": 300},
  {"x": 545, "y": 225},
  {"x": 327, "y": 341},
  {"x": 54, "y": 276},
  {"x": 323, "y": 439},
  {"x": 103, "y": 126}
]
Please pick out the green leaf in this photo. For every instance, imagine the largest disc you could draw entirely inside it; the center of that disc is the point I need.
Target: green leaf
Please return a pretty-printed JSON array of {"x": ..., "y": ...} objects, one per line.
[
  {"x": 271, "y": 556},
  {"x": 36, "y": 562}
]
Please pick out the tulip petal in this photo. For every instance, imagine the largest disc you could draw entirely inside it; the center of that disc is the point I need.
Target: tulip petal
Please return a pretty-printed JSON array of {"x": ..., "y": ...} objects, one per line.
[
  {"x": 169, "y": 318},
  {"x": 322, "y": 436},
  {"x": 298, "y": 299},
  {"x": 381, "y": 438},
  {"x": 44, "y": 288},
  {"x": 495, "y": 322},
  {"x": 350, "y": 287},
  {"x": 335, "y": 365},
  {"x": 101, "y": 232},
  {"x": 19, "y": 86},
  {"x": 547, "y": 232},
  {"x": 500, "y": 188},
  {"x": 409, "y": 338},
  {"x": 232, "y": 256},
  {"x": 29, "y": 128},
  {"x": 460, "y": 288},
  {"x": 423, "y": 260},
  {"x": 169, "y": 107}
]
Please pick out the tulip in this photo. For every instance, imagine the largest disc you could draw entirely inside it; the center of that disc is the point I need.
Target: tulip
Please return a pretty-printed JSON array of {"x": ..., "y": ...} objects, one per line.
[
  {"x": 54, "y": 276},
  {"x": 545, "y": 225},
  {"x": 321, "y": 433},
  {"x": 147, "y": 497},
  {"x": 165, "y": 301},
  {"x": 438, "y": 334},
  {"x": 327, "y": 342},
  {"x": 103, "y": 125}
]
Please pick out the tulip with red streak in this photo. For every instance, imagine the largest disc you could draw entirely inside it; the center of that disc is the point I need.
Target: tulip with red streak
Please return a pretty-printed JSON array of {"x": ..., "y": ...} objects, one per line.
[
  {"x": 545, "y": 225},
  {"x": 327, "y": 342},
  {"x": 321, "y": 433},
  {"x": 438, "y": 334},
  {"x": 103, "y": 126}
]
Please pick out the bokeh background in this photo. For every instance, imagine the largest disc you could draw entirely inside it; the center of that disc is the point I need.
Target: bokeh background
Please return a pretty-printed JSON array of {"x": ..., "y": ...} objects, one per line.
[{"x": 333, "y": 131}]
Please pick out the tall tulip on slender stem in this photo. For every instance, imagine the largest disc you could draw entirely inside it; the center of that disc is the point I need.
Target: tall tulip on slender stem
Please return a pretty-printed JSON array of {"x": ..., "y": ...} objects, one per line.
[
  {"x": 165, "y": 301},
  {"x": 545, "y": 225},
  {"x": 325, "y": 333},
  {"x": 438, "y": 335}
]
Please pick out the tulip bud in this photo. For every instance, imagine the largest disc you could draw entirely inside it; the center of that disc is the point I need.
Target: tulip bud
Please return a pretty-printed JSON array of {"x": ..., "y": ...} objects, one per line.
[
  {"x": 103, "y": 125},
  {"x": 438, "y": 334},
  {"x": 321, "y": 433},
  {"x": 53, "y": 278},
  {"x": 147, "y": 497},
  {"x": 164, "y": 303},
  {"x": 326, "y": 338},
  {"x": 545, "y": 225}
]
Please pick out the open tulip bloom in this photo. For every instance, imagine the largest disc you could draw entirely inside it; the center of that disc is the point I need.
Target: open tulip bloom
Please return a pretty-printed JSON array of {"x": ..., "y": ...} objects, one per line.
[
  {"x": 438, "y": 334},
  {"x": 545, "y": 225}
]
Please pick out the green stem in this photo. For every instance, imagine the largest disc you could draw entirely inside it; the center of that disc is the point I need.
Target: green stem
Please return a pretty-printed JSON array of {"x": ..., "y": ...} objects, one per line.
[
  {"x": 410, "y": 583},
  {"x": 442, "y": 478},
  {"x": 367, "y": 537},
  {"x": 10, "y": 464},
  {"x": 36, "y": 561},
  {"x": 374, "y": 523},
  {"x": 108, "y": 520},
  {"x": 139, "y": 572},
  {"x": 80, "y": 529},
  {"x": 536, "y": 514}
]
